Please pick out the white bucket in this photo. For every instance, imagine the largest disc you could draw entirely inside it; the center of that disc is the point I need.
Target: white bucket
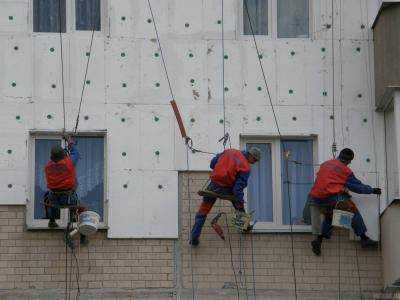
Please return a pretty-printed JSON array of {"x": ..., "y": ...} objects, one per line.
[
  {"x": 88, "y": 222},
  {"x": 342, "y": 218}
]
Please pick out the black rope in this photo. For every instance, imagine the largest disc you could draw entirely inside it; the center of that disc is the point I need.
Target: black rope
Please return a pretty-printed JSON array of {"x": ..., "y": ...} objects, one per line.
[
  {"x": 253, "y": 268},
  {"x": 223, "y": 67},
  {"x": 190, "y": 220},
  {"x": 161, "y": 51},
  {"x": 231, "y": 256},
  {"x": 86, "y": 72},
  {"x": 280, "y": 135},
  {"x": 62, "y": 63},
  {"x": 334, "y": 150}
]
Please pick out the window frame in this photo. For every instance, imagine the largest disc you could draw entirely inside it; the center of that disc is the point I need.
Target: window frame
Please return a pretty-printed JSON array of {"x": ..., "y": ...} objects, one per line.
[
  {"x": 277, "y": 224},
  {"x": 41, "y": 224},
  {"x": 70, "y": 18},
  {"x": 273, "y": 23}
]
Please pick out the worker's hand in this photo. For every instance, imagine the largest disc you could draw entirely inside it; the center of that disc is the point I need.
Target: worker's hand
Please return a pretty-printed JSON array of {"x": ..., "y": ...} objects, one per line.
[{"x": 377, "y": 191}]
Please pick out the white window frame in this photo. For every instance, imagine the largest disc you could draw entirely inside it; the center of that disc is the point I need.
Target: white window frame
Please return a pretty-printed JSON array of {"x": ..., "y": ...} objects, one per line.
[
  {"x": 273, "y": 23},
  {"x": 277, "y": 202},
  {"x": 70, "y": 19},
  {"x": 32, "y": 223}
]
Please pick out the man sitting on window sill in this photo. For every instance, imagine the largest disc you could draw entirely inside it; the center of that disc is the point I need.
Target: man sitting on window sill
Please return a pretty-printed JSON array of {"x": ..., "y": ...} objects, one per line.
[
  {"x": 330, "y": 191},
  {"x": 61, "y": 179},
  {"x": 229, "y": 176}
]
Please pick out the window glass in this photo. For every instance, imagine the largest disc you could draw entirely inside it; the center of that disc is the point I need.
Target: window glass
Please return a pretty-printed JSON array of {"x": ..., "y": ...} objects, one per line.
[
  {"x": 89, "y": 172},
  {"x": 293, "y": 18},
  {"x": 258, "y": 12},
  {"x": 87, "y": 14},
  {"x": 46, "y": 15},
  {"x": 259, "y": 195},
  {"x": 298, "y": 179}
]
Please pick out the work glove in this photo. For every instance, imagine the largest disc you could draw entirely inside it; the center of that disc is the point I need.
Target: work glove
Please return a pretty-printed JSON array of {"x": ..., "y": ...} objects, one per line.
[{"x": 377, "y": 191}]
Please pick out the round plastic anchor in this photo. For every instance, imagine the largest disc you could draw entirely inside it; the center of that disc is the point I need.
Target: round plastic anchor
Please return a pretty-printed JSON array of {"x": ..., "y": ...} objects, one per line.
[
  {"x": 219, "y": 22},
  {"x": 260, "y": 56},
  {"x": 191, "y": 55},
  {"x": 125, "y": 186},
  {"x": 358, "y": 49},
  {"x": 53, "y": 86},
  {"x": 292, "y": 53},
  {"x": 11, "y": 18},
  {"x": 221, "y": 121},
  {"x": 123, "y": 84},
  {"x": 290, "y": 91},
  {"x": 259, "y": 88},
  {"x": 324, "y": 93},
  {"x": 123, "y": 54},
  {"x": 18, "y": 118},
  {"x": 48, "y": 117},
  {"x": 160, "y": 186},
  {"x": 156, "y": 54},
  {"x": 87, "y": 81},
  {"x": 192, "y": 80},
  {"x": 226, "y": 89},
  {"x": 13, "y": 84},
  {"x": 157, "y": 152},
  {"x": 258, "y": 119},
  {"x": 294, "y": 118},
  {"x": 365, "y": 120},
  {"x": 359, "y": 95},
  {"x": 156, "y": 119},
  {"x": 15, "y": 48},
  {"x": 87, "y": 53},
  {"x": 86, "y": 118},
  {"x": 51, "y": 49},
  {"x": 123, "y": 153},
  {"x": 10, "y": 186},
  {"x": 122, "y": 120},
  {"x": 226, "y": 56},
  {"x": 157, "y": 84},
  {"x": 192, "y": 120},
  {"x": 368, "y": 160},
  {"x": 186, "y": 25},
  {"x": 323, "y": 49},
  {"x": 123, "y": 18},
  {"x": 149, "y": 21},
  {"x": 9, "y": 151}
]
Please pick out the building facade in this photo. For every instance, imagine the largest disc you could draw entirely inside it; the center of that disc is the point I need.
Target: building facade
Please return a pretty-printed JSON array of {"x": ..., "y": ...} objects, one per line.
[{"x": 99, "y": 62}]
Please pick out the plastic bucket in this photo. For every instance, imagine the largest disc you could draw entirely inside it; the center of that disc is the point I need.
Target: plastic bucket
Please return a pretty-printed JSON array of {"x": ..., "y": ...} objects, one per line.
[
  {"x": 342, "y": 218},
  {"x": 88, "y": 222}
]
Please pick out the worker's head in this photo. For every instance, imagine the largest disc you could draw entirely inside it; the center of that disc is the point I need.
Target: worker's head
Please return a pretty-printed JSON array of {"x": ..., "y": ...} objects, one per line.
[
  {"x": 254, "y": 155},
  {"x": 346, "y": 156},
  {"x": 57, "y": 153}
]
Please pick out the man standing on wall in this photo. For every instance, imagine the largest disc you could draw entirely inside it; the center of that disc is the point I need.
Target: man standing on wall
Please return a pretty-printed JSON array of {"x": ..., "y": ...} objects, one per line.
[
  {"x": 229, "y": 176},
  {"x": 330, "y": 191},
  {"x": 61, "y": 179}
]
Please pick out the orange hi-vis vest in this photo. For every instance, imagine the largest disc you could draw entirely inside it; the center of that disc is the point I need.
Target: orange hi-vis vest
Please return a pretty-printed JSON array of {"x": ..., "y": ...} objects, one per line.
[
  {"x": 60, "y": 175},
  {"x": 331, "y": 178},
  {"x": 229, "y": 164}
]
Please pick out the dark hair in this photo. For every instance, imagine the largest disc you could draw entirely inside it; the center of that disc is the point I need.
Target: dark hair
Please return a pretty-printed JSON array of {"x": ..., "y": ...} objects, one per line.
[
  {"x": 346, "y": 155},
  {"x": 57, "y": 153}
]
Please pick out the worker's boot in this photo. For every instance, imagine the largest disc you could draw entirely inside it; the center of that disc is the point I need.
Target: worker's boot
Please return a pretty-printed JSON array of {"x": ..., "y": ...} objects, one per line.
[
  {"x": 367, "y": 243},
  {"x": 316, "y": 245},
  {"x": 52, "y": 224},
  {"x": 194, "y": 242}
]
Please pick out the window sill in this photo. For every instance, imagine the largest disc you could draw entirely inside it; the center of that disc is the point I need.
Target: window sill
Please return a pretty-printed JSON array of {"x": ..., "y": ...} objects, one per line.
[
  {"x": 282, "y": 229},
  {"x": 45, "y": 228}
]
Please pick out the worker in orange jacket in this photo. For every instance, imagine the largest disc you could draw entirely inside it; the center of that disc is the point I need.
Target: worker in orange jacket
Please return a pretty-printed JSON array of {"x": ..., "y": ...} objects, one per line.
[
  {"x": 330, "y": 190},
  {"x": 61, "y": 179},
  {"x": 229, "y": 176}
]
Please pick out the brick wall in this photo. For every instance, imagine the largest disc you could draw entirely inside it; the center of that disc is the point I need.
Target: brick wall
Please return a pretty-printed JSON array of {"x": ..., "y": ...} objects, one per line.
[
  {"x": 36, "y": 259},
  {"x": 272, "y": 256}
]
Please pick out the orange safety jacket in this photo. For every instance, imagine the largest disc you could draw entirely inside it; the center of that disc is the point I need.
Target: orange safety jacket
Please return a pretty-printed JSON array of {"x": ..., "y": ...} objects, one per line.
[
  {"x": 60, "y": 175},
  {"x": 229, "y": 164},
  {"x": 331, "y": 179}
]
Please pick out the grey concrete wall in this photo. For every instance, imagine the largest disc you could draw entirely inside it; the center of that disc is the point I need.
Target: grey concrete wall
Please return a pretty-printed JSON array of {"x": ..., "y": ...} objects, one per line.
[{"x": 387, "y": 49}]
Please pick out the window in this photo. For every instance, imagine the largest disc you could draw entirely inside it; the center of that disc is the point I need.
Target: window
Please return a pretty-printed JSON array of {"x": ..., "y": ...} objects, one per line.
[
  {"x": 290, "y": 18},
  {"x": 90, "y": 171},
  {"x": 46, "y": 15},
  {"x": 258, "y": 12},
  {"x": 270, "y": 184},
  {"x": 87, "y": 13},
  {"x": 293, "y": 18}
]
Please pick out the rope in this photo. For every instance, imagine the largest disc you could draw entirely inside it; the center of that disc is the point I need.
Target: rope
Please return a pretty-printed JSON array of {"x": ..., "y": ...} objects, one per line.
[
  {"x": 161, "y": 51},
  {"x": 231, "y": 256},
  {"x": 85, "y": 76},
  {"x": 280, "y": 136},
  {"x": 62, "y": 63},
  {"x": 190, "y": 220},
  {"x": 334, "y": 149},
  {"x": 223, "y": 66},
  {"x": 252, "y": 266}
]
